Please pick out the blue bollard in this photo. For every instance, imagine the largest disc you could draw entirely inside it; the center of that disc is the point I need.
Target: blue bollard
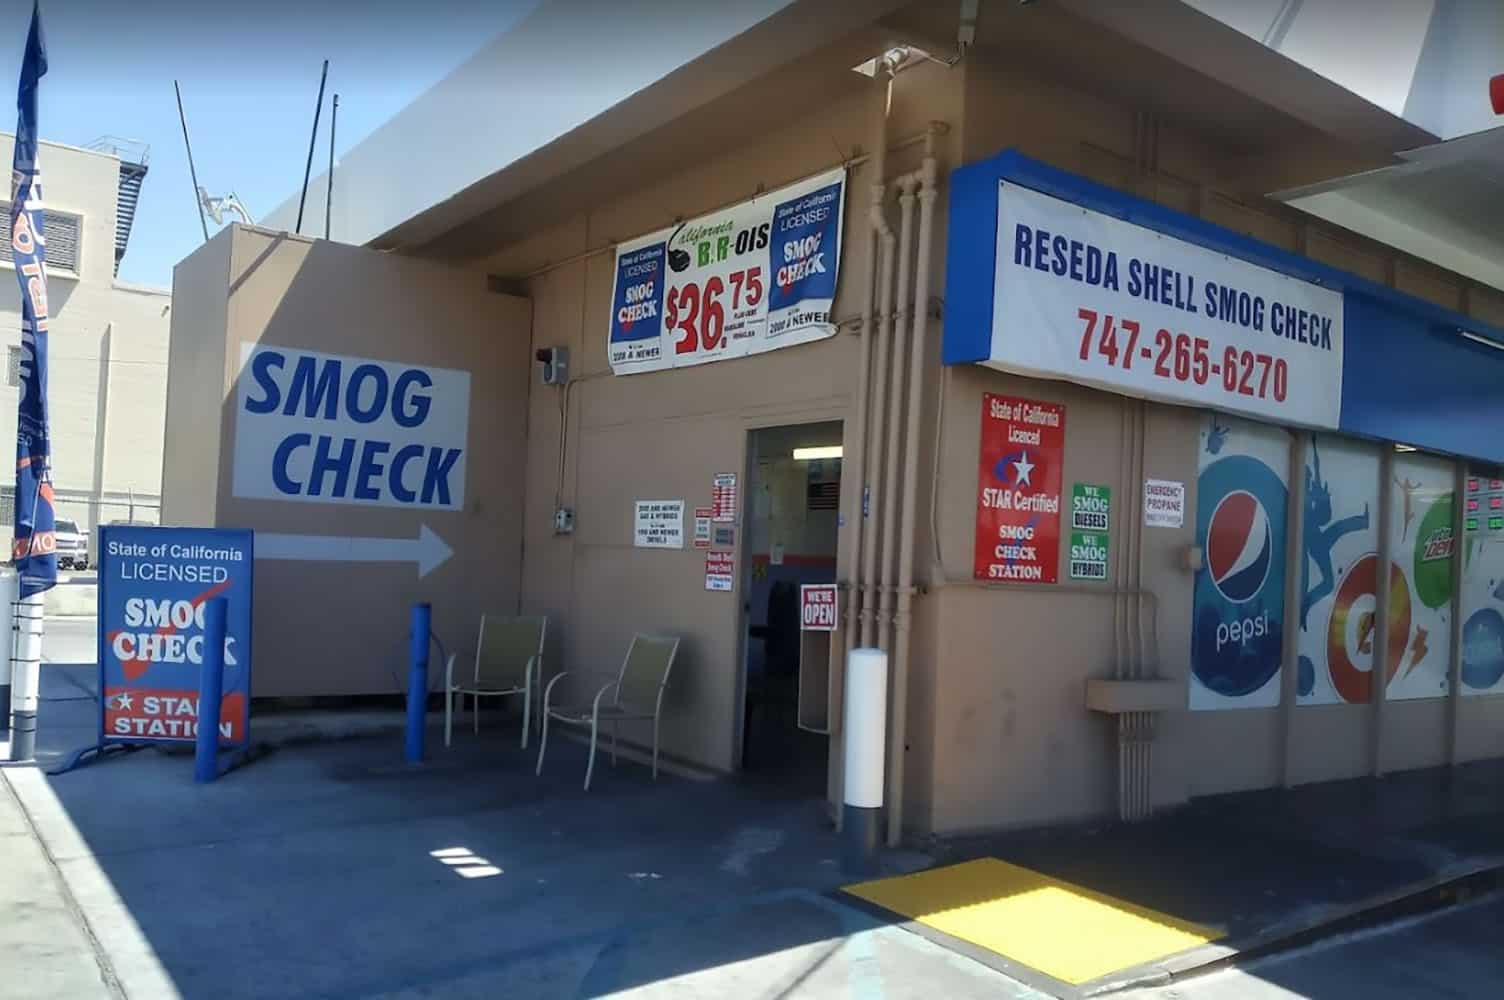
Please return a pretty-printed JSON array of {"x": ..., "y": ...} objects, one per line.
[
  {"x": 417, "y": 680},
  {"x": 211, "y": 685}
]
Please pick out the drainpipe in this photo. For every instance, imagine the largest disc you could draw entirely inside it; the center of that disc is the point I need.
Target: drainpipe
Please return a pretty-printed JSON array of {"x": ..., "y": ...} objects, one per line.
[
  {"x": 874, "y": 225},
  {"x": 875, "y": 427},
  {"x": 902, "y": 625},
  {"x": 887, "y": 554}
]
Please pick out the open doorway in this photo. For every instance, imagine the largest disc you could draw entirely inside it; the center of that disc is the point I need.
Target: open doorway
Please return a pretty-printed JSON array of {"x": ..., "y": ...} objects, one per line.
[{"x": 792, "y": 524}]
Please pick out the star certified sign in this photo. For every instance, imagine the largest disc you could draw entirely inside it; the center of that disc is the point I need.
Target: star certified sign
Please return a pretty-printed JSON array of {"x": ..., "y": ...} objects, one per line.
[{"x": 1018, "y": 490}]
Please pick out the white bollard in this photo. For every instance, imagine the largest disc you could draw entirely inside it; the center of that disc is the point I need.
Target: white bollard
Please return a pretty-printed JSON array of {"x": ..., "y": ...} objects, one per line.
[
  {"x": 864, "y": 734},
  {"x": 26, "y": 675},
  {"x": 8, "y": 581}
]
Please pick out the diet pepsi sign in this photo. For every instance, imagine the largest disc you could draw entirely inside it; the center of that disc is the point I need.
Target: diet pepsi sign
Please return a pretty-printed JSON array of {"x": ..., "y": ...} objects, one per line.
[{"x": 1239, "y": 597}]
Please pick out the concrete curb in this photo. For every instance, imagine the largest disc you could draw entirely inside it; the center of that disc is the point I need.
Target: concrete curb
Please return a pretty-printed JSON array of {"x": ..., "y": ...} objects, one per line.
[{"x": 1450, "y": 887}]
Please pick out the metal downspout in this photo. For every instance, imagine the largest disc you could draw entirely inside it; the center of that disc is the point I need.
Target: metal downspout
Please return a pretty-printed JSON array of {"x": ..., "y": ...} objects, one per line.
[{"x": 903, "y": 625}]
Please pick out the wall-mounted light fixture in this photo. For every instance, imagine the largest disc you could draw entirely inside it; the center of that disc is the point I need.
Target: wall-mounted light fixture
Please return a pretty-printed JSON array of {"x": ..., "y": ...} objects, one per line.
[{"x": 817, "y": 454}]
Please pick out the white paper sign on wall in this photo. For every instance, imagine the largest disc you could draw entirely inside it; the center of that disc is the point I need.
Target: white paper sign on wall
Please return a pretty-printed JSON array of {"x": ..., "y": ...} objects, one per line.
[
  {"x": 312, "y": 427},
  {"x": 1164, "y": 503},
  {"x": 658, "y": 524}
]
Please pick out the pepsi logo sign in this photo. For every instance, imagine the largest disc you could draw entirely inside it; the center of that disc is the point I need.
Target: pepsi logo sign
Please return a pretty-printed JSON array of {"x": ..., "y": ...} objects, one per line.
[{"x": 1239, "y": 547}]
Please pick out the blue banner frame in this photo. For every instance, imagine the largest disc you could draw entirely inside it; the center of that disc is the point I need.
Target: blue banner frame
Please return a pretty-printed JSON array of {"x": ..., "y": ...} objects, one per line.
[{"x": 153, "y": 584}]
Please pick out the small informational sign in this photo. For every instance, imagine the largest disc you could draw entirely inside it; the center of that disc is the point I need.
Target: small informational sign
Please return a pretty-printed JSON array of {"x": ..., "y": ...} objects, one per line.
[
  {"x": 1088, "y": 297},
  {"x": 1091, "y": 507},
  {"x": 724, "y": 536},
  {"x": 723, "y": 498},
  {"x": 1091, "y": 520},
  {"x": 659, "y": 524},
  {"x": 720, "y": 571},
  {"x": 818, "y": 607},
  {"x": 326, "y": 428},
  {"x": 153, "y": 585},
  {"x": 1483, "y": 505},
  {"x": 1018, "y": 490},
  {"x": 755, "y": 277},
  {"x": 702, "y": 527},
  {"x": 1164, "y": 503},
  {"x": 1088, "y": 555}
]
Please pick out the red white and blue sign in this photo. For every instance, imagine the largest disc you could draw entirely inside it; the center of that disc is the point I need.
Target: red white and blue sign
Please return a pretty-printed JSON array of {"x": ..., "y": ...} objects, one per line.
[
  {"x": 751, "y": 278},
  {"x": 153, "y": 585}
]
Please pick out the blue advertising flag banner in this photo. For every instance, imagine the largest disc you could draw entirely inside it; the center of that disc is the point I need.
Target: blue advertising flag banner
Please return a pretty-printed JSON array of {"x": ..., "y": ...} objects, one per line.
[
  {"x": 153, "y": 585},
  {"x": 35, "y": 545},
  {"x": 751, "y": 278}
]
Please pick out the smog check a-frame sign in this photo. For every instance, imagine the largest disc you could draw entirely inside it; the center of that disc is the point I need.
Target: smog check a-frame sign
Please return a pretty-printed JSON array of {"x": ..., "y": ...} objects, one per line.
[{"x": 153, "y": 585}]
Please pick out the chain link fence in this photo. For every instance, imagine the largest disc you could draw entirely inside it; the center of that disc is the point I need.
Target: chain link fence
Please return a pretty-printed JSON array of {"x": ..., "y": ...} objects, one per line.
[{"x": 87, "y": 511}]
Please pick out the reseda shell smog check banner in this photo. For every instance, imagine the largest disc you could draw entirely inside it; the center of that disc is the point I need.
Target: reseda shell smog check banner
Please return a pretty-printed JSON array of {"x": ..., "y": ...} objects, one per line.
[
  {"x": 1090, "y": 298},
  {"x": 752, "y": 278},
  {"x": 153, "y": 585}
]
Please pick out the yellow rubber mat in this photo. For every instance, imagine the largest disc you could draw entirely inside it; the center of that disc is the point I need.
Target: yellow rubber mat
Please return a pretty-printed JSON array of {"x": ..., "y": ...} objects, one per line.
[{"x": 1072, "y": 934}]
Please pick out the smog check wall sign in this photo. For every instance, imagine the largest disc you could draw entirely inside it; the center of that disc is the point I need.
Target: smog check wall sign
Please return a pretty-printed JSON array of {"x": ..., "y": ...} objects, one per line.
[
  {"x": 326, "y": 428},
  {"x": 153, "y": 584},
  {"x": 1018, "y": 490}
]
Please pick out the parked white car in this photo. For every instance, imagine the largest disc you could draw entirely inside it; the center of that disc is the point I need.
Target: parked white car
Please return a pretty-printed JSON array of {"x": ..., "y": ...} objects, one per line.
[{"x": 72, "y": 545}]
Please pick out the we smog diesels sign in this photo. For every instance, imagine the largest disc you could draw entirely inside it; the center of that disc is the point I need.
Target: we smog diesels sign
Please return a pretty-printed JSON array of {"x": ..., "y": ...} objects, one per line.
[{"x": 327, "y": 428}]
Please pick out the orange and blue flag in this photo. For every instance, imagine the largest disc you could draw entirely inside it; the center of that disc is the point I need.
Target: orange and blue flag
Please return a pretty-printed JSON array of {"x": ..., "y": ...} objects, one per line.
[{"x": 35, "y": 545}]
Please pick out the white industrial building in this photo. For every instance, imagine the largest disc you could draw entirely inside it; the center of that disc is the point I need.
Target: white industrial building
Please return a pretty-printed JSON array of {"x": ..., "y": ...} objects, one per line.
[{"x": 108, "y": 350}]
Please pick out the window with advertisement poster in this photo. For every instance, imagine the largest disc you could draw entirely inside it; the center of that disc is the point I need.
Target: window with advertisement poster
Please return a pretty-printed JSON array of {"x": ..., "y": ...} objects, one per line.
[{"x": 1018, "y": 490}]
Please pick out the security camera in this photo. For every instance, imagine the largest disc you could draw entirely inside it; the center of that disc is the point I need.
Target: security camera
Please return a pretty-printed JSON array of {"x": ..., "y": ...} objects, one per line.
[{"x": 555, "y": 361}]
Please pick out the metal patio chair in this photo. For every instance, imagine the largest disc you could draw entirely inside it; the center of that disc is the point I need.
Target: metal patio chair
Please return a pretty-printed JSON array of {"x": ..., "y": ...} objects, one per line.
[
  {"x": 634, "y": 694},
  {"x": 508, "y": 661}
]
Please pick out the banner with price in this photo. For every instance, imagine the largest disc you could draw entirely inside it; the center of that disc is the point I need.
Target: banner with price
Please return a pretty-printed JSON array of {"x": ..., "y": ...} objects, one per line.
[
  {"x": 751, "y": 278},
  {"x": 1087, "y": 297}
]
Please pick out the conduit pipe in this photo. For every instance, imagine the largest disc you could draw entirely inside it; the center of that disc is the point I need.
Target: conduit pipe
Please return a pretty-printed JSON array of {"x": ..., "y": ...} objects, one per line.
[
  {"x": 859, "y": 438},
  {"x": 871, "y": 490},
  {"x": 918, "y": 342},
  {"x": 903, "y": 320}
]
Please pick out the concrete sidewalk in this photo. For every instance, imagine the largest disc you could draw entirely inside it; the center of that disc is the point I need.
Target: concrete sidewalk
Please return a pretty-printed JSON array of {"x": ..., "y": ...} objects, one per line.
[
  {"x": 335, "y": 870},
  {"x": 46, "y": 949},
  {"x": 1275, "y": 869},
  {"x": 332, "y": 869}
]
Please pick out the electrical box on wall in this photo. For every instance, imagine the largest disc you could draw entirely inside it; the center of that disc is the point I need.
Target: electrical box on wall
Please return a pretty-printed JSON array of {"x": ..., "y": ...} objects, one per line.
[
  {"x": 555, "y": 362},
  {"x": 564, "y": 521}
]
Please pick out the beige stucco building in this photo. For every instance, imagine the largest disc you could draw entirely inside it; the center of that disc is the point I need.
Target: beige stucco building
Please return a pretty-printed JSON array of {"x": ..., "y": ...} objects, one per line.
[
  {"x": 1179, "y": 650},
  {"x": 108, "y": 355}
]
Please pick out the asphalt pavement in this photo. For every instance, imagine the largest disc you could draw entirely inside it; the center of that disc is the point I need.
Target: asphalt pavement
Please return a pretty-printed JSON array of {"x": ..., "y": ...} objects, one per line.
[
  {"x": 1451, "y": 954},
  {"x": 69, "y": 640}
]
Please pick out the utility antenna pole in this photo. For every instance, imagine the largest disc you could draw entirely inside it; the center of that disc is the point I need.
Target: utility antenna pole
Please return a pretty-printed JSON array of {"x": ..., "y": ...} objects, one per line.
[
  {"x": 329, "y": 190},
  {"x": 308, "y": 167},
  {"x": 192, "y": 173}
]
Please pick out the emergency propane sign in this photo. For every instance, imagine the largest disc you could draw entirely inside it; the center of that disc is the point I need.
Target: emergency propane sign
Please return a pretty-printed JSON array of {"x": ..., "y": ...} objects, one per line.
[
  {"x": 1018, "y": 490},
  {"x": 326, "y": 428},
  {"x": 153, "y": 585}
]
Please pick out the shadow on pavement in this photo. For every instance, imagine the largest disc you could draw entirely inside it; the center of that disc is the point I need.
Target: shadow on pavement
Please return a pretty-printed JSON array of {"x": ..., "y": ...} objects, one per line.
[{"x": 337, "y": 870}]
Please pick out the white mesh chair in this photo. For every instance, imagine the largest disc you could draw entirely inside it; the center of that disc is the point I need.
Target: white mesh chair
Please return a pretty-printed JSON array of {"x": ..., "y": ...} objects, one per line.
[
  {"x": 634, "y": 694},
  {"x": 508, "y": 661}
]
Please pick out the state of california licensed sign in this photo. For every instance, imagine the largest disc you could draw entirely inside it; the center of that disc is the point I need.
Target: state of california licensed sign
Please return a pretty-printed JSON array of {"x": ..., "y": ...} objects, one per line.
[
  {"x": 752, "y": 278},
  {"x": 153, "y": 585},
  {"x": 1090, "y": 298},
  {"x": 1018, "y": 490}
]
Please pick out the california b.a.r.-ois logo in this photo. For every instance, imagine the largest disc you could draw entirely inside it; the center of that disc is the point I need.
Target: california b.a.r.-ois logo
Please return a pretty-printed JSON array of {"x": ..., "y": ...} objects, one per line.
[
  {"x": 1239, "y": 595},
  {"x": 1238, "y": 546}
]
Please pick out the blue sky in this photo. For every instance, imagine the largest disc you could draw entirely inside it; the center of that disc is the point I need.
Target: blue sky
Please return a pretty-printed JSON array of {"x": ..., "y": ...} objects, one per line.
[{"x": 249, "y": 74}]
